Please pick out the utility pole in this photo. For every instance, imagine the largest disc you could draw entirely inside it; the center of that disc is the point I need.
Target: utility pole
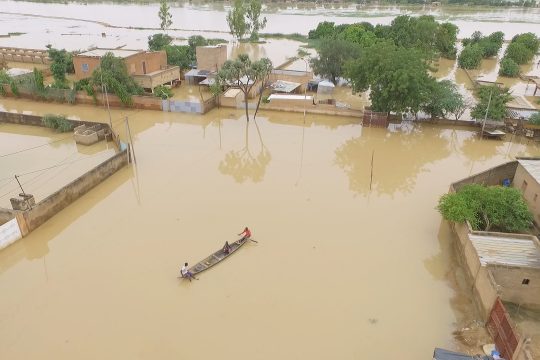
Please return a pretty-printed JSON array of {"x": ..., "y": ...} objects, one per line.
[
  {"x": 24, "y": 194},
  {"x": 487, "y": 110}
]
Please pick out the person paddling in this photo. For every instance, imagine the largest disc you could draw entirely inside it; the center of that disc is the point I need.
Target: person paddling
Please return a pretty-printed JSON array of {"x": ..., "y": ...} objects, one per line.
[
  {"x": 185, "y": 273},
  {"x": 226, "y": 248},
  {"x": 246, "y": 234}
]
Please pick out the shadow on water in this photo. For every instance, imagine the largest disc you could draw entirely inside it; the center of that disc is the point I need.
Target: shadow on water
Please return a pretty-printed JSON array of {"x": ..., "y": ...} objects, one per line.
[
  {"x": 415, "y": 146},
  {"x": 242, "y": 164},
  {"x": 36, "y": 244}
]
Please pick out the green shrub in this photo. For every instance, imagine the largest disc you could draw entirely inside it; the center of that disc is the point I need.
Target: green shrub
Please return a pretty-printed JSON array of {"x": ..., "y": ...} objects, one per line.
[
  {"x": 470, "y": 57},
  {"x": 519, "y": 52},
  {"x": 509, "y": 68},
  {"x": 163, "y": 92},
  {"x": 57, "y": 122},
  {"x": 535, "y": 119}
]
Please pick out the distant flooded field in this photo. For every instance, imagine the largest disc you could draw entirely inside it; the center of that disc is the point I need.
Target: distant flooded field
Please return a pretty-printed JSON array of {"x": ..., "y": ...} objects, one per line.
[{"x": 352, "y": 261}]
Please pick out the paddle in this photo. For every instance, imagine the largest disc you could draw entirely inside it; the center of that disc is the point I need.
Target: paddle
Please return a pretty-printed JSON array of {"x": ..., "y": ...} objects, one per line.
[{"x": 254, "y": 240}]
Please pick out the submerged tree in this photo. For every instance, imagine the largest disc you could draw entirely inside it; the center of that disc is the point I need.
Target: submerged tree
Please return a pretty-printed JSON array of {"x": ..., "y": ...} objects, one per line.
[
  {"x": 492, "y": 100},
  {"x": 158, "y": 42},
  {"x": 165, "y": 15},
  {"x": 333, "y": 54},
  {"x": 253, "y": 15},
  {"x": 487, "y": 208},
  {"x": 244, "y": 74},
  {"x": 236, "y": 19}
]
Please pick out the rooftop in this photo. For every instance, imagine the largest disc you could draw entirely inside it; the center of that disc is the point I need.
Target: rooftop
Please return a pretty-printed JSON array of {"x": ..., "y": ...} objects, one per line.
[
  {"x": 508, "y": 251},
  {"x": 285, "y": 86},
  {"x": 121, "y": 53},
  {"x": 532, "y": 167}
]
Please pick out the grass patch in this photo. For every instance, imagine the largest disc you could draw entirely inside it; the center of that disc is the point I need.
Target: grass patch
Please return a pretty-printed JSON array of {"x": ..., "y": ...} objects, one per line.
[
  {"x": 57, "y": 122},
  {"x": 294, "y": 36}
]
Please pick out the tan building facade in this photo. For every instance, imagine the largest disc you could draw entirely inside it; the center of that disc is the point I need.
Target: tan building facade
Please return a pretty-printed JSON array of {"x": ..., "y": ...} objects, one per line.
[
  {"x": 211, "y": 58},
  {"x": 527, "y": 179},
  {"x": 149, "y": 69}
]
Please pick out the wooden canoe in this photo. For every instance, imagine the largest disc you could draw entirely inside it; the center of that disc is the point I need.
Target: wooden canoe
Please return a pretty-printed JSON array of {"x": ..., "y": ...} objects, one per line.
[{"x": 216, "y": 257}]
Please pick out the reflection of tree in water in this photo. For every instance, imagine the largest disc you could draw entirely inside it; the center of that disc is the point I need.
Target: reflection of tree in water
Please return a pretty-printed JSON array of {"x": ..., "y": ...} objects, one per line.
[
  {"x": 477, "y": 149},
  {"x": 398, "y": 157},
  {"x": 242, "y": 164}
]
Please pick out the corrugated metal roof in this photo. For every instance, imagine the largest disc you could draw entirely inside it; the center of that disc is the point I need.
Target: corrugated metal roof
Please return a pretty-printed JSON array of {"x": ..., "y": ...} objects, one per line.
[
  {"x": 496, "y": 250},
  {"x": 532, "y": 167}
]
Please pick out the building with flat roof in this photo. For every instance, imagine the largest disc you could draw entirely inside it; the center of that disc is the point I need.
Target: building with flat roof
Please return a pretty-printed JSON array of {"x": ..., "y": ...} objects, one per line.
[
  {"x": 502, "y": 264},
  {"x": 148, "y": 68}
]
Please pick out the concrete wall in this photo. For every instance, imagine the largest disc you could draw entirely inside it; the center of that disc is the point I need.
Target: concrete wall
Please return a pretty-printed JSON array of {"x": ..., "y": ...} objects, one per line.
[
  {"x": 62, "y": 198},
  {"x": 9, "y": 233},
  {"x": 530, "y": 189},
  {"x": 35, "y": 120},
  {"x": 493, "y": 176},
  {"x": 510, "y": 285},
  {"x": 483, "y": 286},
  {"x": 35, "y": 56},
  {"x": 6, "y": 215},
  {"x": 211, "y": 58}
]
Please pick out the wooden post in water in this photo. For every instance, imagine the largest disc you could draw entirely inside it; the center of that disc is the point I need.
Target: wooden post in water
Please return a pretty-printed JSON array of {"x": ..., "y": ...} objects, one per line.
[
  {"x": 24, "y": 194},
  {"x": 128, "y": 133},
  {"x": 485, "y": 117},
  {"x": 371, "y": 178}
]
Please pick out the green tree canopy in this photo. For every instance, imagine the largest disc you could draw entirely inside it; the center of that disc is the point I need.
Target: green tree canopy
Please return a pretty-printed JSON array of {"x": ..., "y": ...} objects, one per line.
[
  {"x": 397, "y": 77},
  {"x": 470, "y": 57},
  {"x": 509, "y": 68},
  {"x": 158, "y": 42},
  {"x": 519, "y": 52},
  {"x": 497, "y": 105},
  {"x": 244, "y": 74},
  {"x": 445, "y": 40},
  {"x": 443, "y": 99},
  {"x": 236, "y": 19},
  {"x": 534, "y": 119},
  {"x": 529, "y": 40},
  {"x": 113, "y": 73},
  {"x": 165, "y": 16},
  {"x": 332, "y": 56},
  {"x": 487, "y": 208},
  {"x": 61, "y": 63},
  {"x": 253, "y": 17}
]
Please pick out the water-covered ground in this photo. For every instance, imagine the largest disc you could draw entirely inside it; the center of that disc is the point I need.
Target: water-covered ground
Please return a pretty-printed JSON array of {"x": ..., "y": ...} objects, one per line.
[{"x": 352, "y": 261}]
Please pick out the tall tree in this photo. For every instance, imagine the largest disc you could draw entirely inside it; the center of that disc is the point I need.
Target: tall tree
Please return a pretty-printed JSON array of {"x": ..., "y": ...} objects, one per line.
[
  {"x": 165, "y": 15},
  {"x": 243, "y": 74},
  {"x": 332, "y": 56},
  {"x": 443, "y": 99},
  {"x": 253, "y": 16},
  {"x": 236, "y": 19},
  {"x": 493, "y": 101},
  {"x": 397, "y": 76},
  {"x": 61, "y": 63}
]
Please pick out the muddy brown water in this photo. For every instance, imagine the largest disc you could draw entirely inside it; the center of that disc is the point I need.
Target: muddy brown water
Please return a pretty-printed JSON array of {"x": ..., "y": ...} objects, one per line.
[{"x": 339, "y": 270}]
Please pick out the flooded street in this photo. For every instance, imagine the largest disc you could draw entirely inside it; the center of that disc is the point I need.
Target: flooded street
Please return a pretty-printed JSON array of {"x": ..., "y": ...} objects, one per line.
[{"x": 339, "y": 270}]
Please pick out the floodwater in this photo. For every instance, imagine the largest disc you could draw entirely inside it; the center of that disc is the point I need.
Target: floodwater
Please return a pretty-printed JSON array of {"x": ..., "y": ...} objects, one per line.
[
  {"x": 43, "y": 159},
  {"x": 81, "y": 25},
  {"x": 352, "y": 261}
]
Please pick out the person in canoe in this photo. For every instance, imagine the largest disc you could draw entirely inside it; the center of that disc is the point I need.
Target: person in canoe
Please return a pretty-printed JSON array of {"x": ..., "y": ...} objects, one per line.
[
  {"x": 185, "y": 273},
  {"x": 226, "y": 248},
  {"x": 246, "y": 234}
]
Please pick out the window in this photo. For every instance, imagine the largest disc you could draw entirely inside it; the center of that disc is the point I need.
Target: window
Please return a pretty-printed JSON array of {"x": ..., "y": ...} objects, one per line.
[
  {"x": 85, "y": 67},
  {"x": 524, "y": 186},
  {"x": 525, "y": 282},
  {"x": 535, "y": 197}
]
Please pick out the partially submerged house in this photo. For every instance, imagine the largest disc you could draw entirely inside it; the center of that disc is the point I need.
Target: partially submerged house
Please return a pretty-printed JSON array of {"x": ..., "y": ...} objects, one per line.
[
  {"x": 148, "y": 68},
  {"x": 504, "y": 265}
]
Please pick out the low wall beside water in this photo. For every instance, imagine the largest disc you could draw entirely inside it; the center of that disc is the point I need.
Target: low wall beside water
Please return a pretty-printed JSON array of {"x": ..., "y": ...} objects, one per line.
[{"x": 57, "y": 201}]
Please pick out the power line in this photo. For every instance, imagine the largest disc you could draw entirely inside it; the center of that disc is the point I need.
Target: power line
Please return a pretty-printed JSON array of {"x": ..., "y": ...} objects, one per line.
[{"x": 34, "y": 147}]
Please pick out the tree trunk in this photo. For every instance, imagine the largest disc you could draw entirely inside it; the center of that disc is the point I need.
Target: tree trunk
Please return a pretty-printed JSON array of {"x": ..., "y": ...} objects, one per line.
[{"x": 246, "y": 105}]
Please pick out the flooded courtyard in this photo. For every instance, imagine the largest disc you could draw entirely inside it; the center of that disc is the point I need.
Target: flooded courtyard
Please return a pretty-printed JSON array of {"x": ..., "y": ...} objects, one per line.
[{"x": 349, "y": 263}]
